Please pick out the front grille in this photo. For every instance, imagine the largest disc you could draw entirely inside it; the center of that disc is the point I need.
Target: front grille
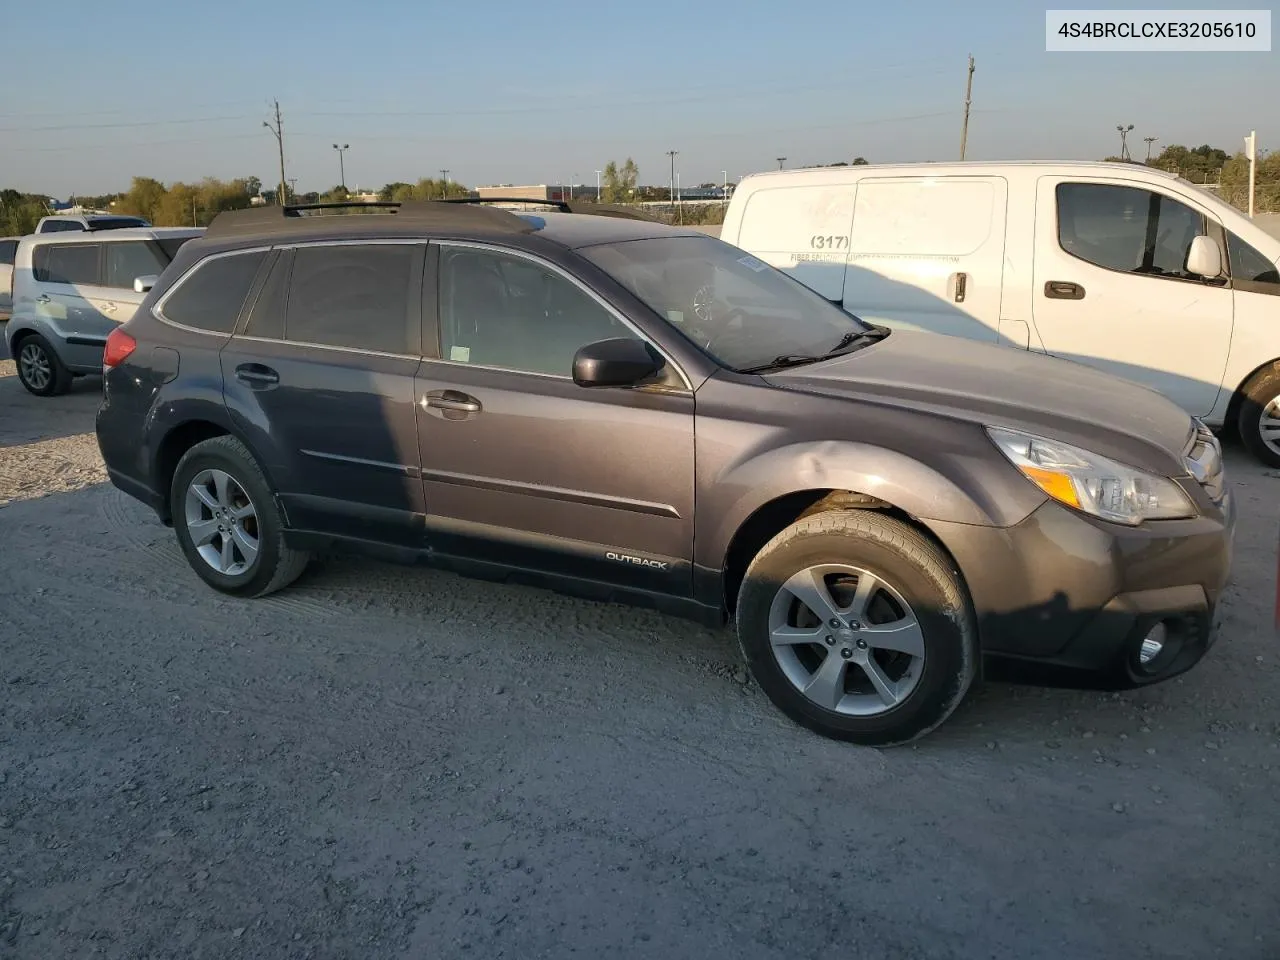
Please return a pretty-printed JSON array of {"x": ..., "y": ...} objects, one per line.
[{"x": 1203, "y": 460}]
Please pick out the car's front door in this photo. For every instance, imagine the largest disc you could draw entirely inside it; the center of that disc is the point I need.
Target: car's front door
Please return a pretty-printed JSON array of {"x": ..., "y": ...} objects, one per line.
[
  {"x": 524, "y": 468},
  {"x": 321, "y": 380},
  {"x": 1111, "y": 288}
]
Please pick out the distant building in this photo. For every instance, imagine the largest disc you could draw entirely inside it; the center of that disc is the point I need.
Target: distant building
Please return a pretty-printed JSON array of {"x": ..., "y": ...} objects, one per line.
[{"x": 542, "y": 191}]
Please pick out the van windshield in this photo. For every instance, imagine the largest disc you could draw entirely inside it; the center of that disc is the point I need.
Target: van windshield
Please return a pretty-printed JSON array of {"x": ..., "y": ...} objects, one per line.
[{"x": 735, "y": 307}]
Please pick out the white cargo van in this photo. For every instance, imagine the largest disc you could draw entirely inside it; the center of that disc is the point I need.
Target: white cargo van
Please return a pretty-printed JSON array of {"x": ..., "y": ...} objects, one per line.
[{"x": 1116, "y": 265}]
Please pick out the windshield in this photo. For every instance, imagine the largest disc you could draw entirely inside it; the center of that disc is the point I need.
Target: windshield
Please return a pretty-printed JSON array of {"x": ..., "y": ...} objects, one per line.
[{"x": 737, "y": 308}]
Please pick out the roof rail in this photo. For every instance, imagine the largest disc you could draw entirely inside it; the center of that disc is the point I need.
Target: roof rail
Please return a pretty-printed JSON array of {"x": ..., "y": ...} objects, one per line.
[
  {"x": 565, "y": 206},
  {"x": 434, "y": 214}
]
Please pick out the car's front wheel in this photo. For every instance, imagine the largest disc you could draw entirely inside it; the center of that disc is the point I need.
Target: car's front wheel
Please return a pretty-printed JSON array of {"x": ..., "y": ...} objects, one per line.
[
  {"x": 40, "y": 369},
  {"x": 858, "y": 627},
  {"x": 227, "y": 521}
]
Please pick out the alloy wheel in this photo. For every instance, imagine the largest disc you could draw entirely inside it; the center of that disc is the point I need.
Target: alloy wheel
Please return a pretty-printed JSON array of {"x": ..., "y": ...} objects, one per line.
[
  {"x": 35, "y": 365},
  {"x": 847, "y": 639},
  {"x": 1269, "y": 425},
  {"x": 222, "y": 522}
]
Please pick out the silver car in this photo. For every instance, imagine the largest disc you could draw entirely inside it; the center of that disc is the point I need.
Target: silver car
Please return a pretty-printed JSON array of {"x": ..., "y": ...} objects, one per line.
[{"x": 71, "y": 289}]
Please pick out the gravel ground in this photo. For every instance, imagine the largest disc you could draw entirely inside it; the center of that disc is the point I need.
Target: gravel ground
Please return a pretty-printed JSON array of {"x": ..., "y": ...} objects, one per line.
[{"x": 392, "y": 762}]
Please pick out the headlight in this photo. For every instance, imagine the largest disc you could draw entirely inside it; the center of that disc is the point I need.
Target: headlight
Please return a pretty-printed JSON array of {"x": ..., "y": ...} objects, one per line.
[{"x": 1092, "y": 483}]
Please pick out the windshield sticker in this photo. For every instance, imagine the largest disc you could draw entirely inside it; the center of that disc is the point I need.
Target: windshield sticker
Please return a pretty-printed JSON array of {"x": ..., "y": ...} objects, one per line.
[
  {"x": 675, "y": 316},
  {"x": 754, "y": 263}
]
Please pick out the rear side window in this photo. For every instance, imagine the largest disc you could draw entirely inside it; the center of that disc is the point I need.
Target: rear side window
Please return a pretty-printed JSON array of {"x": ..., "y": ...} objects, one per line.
[
  {"x": 66, "y": 262},
  {"x": 8, "y": 248},
  {"x": 1248, "y": 265},
  {"x": 131, "y": 259},
  {"x": 210, "y": 297},
  {"x": 353, "y": 296}
]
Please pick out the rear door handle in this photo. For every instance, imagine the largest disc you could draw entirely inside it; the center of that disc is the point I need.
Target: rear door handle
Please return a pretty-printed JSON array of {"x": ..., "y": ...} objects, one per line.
[
  {"x": 256, "y": 375},
  {"x": 962, "y": 281},
  {"x": 1063, "y": 290}
]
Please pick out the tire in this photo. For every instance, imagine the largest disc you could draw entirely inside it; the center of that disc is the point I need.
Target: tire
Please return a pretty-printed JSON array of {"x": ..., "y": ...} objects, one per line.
[
  {"x": 224, "y": 463},
  {"x": 40, "y": 369},
  {"x": 1260, "y": 407},
  {"x": 910, "y": 581}
]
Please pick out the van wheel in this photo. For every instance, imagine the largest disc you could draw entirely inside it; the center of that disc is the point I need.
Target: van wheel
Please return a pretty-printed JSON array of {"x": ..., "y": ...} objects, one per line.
[
  {"x": 858, "y": 628},
  {"x": 1259, "y": 418},
  {"x": 227, "y": 522},
  {"x": 40, "y": 369}
]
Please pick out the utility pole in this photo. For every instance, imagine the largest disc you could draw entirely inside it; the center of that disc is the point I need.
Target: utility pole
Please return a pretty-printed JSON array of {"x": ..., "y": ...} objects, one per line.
[
  {"x": 278, "y": 130},
  {"x": 968, "y": 99},
  {"x": 1251, "y": 154},
  {"x": 444, "y": 189},
  {"x": 1149, "y": 141},
  {"x": 342, "y": 167},
  {"x": 671, "y": 187}
]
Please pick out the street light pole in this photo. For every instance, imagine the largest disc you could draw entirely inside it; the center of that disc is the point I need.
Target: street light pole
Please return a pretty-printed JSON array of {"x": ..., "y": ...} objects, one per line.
[
  {"x": 598, "y": 172},
  {"x": 342, "y": 167},
  {"x": 781, "y": 161},
  {"x": 725, "y": 194}
]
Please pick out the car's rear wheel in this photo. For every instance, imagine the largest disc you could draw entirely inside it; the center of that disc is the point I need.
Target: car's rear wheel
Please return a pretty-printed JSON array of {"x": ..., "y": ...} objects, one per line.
[
  {"x": 227, "y": 521},
  {"x": 1259, "y": 418},
  {"x": 858, "y": 627},
  {"x": 40, "y": 369}
]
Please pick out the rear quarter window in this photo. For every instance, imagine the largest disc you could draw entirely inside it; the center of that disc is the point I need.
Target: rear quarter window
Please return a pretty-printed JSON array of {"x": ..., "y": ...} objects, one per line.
[
  {"x": 66, "y": 262},
  {"x": 211, "y": 295},
  {"x": 8, "y": 249}
]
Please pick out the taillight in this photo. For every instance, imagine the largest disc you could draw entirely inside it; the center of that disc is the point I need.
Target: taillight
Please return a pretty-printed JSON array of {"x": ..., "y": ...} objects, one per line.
[{"x": 119, "y": 346}]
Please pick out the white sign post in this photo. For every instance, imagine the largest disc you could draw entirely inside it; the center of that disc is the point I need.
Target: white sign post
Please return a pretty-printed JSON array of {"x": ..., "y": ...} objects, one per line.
[{"x": 1251, "y": 153}]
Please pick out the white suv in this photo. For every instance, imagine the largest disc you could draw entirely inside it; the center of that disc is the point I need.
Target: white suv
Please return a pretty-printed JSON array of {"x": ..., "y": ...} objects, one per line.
[
  {"x": 70, "y": 290},
  {"x": 8, "y": 250}
]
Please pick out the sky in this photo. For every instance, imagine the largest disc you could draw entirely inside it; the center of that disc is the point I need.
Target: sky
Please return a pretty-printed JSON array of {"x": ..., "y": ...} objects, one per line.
[{"x": 549, "y": 92}]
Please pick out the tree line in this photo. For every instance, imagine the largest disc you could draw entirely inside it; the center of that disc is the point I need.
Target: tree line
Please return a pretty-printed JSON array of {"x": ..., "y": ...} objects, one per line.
[{"x": 1227, "y": 173}]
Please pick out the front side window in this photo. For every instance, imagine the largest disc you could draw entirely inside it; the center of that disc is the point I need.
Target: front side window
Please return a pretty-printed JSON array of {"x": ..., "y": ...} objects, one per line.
[
  {"x": 741, "y": 311},
  {"x": 128, "y": 260},
  {"x": 1249, "y": 265},
  {"x": 210, "y": 297},
  {"x": 354, "y": 296},
  {"x": 1127, "y": 229},
  {"x": 66, "y": 263},
  {"x": 501, "y": 310}
]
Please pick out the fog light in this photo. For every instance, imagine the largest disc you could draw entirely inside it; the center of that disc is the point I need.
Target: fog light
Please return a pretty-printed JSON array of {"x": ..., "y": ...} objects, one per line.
[{"x": 1153, "y": 644}]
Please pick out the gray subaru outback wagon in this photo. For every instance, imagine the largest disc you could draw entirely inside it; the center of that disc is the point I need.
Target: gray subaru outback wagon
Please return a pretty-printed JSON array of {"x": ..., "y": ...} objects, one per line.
[{"x": 626, "y": 411}]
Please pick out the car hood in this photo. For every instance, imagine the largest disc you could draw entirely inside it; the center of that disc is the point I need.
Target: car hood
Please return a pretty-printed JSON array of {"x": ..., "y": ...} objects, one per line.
[{"x": 995, "y": 385}]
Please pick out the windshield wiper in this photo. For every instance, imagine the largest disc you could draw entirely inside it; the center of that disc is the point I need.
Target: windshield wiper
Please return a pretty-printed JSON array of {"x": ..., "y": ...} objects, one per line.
[{"x": 794, "y": 359}]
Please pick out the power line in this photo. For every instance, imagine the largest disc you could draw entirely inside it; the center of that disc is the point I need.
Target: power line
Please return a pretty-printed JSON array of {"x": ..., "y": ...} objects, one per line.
[{"x": 112, "y": 126}]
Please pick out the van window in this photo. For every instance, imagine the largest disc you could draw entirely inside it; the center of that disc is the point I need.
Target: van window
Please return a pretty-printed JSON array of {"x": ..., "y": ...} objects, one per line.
[
  {"x": 802, "y": 230},
  {"x": 904, "y": 217},
  {"x": 66, "y": 262},
  {"x": 353, "y": 296},
  {"x": 1127, "y": 229},
  {"x": 1250, "y": 270},
  {"x": 8, "y": 248}
]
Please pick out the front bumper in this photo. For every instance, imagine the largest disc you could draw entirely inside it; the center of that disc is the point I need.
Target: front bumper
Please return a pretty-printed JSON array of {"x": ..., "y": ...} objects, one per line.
[{"x": 1062, "y": 589}]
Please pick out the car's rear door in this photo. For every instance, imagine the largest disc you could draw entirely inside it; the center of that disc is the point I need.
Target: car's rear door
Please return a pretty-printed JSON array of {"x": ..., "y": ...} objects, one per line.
[
  {"x": 123, "y": 261},
  {"x": 64, "y": 274},
  {"x": 320, "y": 380},
  {"x": 523, "y": 468},
  {"x": 8, "y": 250}
]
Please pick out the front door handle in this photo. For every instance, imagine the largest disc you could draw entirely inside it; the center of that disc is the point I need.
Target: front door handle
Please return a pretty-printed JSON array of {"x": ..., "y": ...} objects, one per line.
[
  {"x": 1063, "y": 290},
  {"x": 257, "y": 375},
  {"x": 452, "y": 400}
]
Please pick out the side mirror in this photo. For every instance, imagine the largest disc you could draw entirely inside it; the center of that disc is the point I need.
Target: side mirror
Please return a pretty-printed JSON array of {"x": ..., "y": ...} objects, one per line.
[
  {"x": 620, "y": 362},
  {"x": 1204, "y": 258},
  {"x": 143, "y": 284}
]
